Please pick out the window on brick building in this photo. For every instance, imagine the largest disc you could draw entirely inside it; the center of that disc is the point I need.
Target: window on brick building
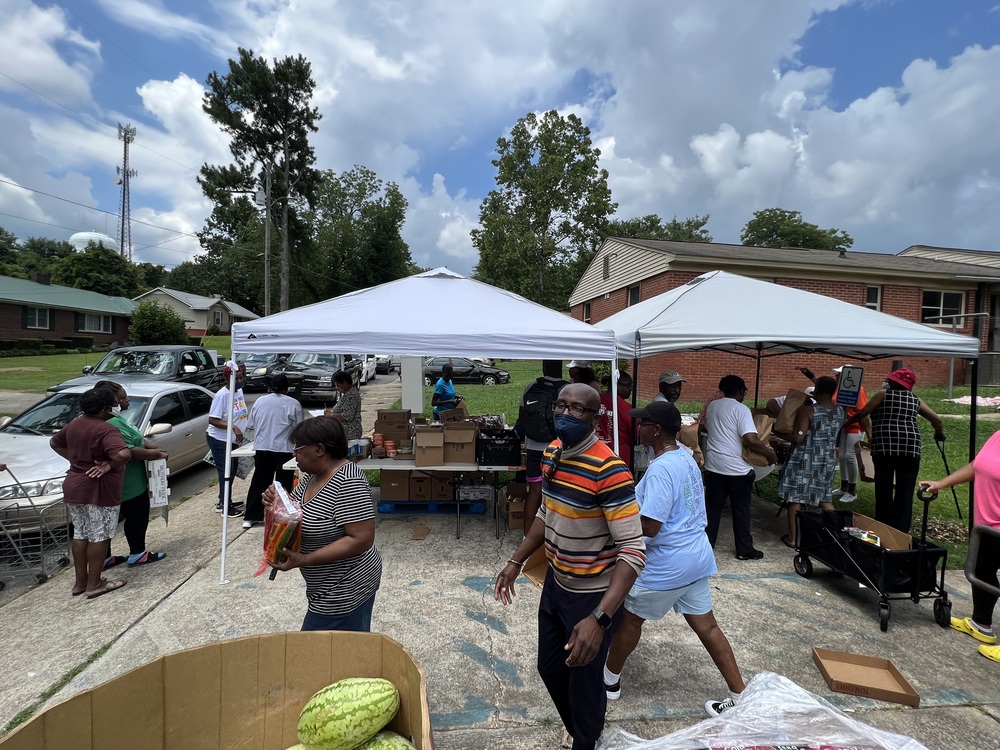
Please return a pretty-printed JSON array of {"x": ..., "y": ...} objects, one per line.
[
  {"x": 633, "y": 295},
  {"x": 586, "y": 312},
  {"x": 90, "y": 323},
  {"x": 936, "y": 303},
  {"x": 36, "y": 317},
  {"x": 873, "y": 298}
]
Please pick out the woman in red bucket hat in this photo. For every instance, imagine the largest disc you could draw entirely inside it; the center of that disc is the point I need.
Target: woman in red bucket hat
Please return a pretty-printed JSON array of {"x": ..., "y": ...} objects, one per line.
[{"x": 896, "y": 445}]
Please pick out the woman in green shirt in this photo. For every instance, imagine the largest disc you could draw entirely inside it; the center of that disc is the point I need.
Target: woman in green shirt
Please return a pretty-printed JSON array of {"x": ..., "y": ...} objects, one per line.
[{"x": 134, "y": 509}]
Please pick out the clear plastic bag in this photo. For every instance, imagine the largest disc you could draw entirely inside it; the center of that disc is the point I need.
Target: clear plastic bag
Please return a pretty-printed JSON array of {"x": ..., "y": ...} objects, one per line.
[
  {"x": 772, "y": 712},
  {"x": 282, "y": 529}
]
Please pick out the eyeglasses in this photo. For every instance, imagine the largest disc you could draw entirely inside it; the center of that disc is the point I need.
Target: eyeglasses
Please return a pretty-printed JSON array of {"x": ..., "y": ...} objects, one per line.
[
  {"x": 297, "y": 448},
  {"x": 551, "y": 463},
  {"x": 574, "y": 409}
]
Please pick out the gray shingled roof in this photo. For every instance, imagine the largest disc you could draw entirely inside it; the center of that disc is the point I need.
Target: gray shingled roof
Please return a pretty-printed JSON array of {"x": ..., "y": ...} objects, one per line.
[
  {"x": 25, "y": 292},
  {"x": 815, "y": 259},
  {"x": 198, "y": 302}
]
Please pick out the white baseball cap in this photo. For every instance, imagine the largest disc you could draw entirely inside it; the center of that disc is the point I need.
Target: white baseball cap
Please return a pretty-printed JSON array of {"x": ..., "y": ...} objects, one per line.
[{"x": 577, "y": 363}]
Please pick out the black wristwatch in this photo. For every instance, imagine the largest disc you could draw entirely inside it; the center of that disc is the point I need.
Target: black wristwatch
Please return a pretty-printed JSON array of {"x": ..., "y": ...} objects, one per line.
[{"x": 602, "y": 619}]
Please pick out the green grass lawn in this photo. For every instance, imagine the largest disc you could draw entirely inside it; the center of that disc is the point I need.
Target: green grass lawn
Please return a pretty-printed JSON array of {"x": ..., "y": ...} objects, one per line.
[{"x": 35, "y": 374}]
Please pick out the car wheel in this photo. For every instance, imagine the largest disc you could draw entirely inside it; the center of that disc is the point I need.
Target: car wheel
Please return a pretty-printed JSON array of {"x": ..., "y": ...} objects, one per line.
[
  {"x": 427, "y": 380},
  {"x": 489, "y": 379}
]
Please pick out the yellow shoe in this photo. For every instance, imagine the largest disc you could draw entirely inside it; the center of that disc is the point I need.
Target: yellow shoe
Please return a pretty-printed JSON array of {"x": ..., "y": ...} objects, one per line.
[
  {"x": 965, "y": 626},
  {"x": 990, "y": 652}
]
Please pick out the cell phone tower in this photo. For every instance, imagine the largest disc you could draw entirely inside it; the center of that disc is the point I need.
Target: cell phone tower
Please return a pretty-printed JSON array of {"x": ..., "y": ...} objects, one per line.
[{"x": 123, "y": 175}]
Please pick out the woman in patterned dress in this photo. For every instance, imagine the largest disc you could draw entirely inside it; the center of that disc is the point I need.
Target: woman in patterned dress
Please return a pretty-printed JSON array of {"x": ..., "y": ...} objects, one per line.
[{"x": 807, "y": 478}]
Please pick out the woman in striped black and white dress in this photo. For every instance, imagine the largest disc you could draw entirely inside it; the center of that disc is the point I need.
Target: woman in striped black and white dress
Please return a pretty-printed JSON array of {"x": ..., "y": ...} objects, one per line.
[{"x": 338, "y": 558}]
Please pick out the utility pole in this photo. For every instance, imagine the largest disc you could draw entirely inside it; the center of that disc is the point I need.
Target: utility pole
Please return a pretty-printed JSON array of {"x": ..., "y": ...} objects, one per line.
[
  {"x": 123, "y": 175},
  {"x": 267, "y": 237}
]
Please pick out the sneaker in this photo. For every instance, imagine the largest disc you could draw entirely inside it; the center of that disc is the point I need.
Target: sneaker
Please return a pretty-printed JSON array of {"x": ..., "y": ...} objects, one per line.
[
  {"x": 614, "y": 691},
  {"x": 717, "y": 708},
  {"x": 218, "y": 507},
  {"x": 990, "y": 652},
  {"x": 235, "y": 509},
  {"x": 966, "y": 626},
  {"x": 754, "y": 554},
  {"x": 838, "y": 493},
  {"x": 251, "y": 524},
  {"x": 848, "y": 497}
]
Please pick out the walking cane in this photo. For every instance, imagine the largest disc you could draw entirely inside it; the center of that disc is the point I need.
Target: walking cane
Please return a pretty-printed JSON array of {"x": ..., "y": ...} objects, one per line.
[{"x": 947, "y": 471}]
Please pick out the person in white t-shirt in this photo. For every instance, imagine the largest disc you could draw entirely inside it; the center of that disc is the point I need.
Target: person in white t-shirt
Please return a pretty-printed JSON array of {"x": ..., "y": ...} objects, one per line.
[
  {"x": 727, "y": 474},
  {"x": 272, "y": 418},
  {"x": 218, "y": 420}
]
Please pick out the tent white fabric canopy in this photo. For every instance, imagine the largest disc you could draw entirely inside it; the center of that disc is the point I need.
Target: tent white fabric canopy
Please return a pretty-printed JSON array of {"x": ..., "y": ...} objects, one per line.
[
  {"x": 438, "y": 313},
  {"x": 726, "y": 312}
]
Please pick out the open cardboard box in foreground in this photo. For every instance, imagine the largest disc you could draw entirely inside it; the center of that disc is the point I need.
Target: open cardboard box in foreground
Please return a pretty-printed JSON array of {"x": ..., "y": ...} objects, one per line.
[
  {"x": 244, "y": 693},
  {"x": 867, "y": 676}
]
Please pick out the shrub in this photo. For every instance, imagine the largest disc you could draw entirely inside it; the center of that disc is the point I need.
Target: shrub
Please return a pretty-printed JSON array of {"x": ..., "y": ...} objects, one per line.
[
  {"x": 84, "y": 350},
  {"x": 82, "y": 341},
  {"x": 153, "y": 323},
  {"x": 213, "y": 330},
  {"x": 6, "y": 346},
  {"x": 63, "y": 344},
  {"x": 30, "y": 344}
]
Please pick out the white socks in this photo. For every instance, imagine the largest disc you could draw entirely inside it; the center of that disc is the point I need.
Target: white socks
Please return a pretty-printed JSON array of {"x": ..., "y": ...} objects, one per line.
[{"x": 610, "y": 678}]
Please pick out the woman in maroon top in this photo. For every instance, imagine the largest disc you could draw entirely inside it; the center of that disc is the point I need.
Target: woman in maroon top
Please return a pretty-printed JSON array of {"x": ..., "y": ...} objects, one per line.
[{"x": 93, "y": 488}]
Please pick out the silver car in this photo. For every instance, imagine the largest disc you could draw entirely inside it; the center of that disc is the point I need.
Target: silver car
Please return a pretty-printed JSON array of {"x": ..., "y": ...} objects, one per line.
[{"x": 175, "y": 413}]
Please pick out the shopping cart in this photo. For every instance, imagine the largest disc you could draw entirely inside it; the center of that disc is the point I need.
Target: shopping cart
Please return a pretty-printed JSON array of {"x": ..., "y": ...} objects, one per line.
[
  {"x": 893, "y": 574},
  {"x": 34, "y": 539}
]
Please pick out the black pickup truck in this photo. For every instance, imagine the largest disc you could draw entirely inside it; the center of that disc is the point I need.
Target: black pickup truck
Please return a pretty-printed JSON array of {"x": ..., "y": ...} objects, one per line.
[{"x": 187, "y": 364}]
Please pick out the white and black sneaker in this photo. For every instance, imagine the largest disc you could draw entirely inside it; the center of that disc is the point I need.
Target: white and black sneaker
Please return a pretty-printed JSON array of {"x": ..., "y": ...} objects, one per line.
[
  {"x": 717, "y": 708},
  {"x": 614, "y": 691}
]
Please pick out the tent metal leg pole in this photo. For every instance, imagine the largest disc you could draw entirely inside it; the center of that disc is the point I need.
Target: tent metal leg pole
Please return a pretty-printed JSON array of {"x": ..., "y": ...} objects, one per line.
[
  {"x": 756, "y": 385},
  {"x": 973, "y": 438}
]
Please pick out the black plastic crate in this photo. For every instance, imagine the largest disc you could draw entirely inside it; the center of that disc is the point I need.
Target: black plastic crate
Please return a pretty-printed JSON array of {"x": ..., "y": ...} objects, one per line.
[{"x": 498, "y": 448}]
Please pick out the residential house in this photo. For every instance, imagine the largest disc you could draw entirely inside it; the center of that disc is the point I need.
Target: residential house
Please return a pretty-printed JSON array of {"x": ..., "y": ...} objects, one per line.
[
  {"x": 200, "y": 313},
  {"x": 35, "y": 309},
  {"x": 916, "y": 284}
]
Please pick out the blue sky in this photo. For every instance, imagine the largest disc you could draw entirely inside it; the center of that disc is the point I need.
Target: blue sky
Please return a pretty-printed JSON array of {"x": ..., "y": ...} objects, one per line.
[{"x": 873, "y": 116}]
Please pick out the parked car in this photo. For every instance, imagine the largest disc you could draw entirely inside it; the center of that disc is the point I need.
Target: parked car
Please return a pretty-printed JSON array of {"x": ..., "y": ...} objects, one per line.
[
  {"x": 464, "y": 371},
  {"x": 488, "y": 361},
  {"x": 310, "y": 375},
  {"x": 133, "y": 364},
  {"x": 260, "y": 367},
  {"x": 176, "y": 413},
  {"x": 385, "y": 363},
  {"x": 369, "y": 365}
]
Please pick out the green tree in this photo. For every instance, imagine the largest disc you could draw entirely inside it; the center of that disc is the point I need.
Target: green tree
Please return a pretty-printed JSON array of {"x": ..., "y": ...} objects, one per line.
[
  {"x": 153, "y": 323},
  {"x": 151, "y": 275},
  {"x": 265, "y": 110},
  {"x": 98, "y": 269},
  {"x": 776, "y": 227},
  {"x": 358, "y": 221},
  {"x": 551, "y": 205},
  {"x": 652, "y": 227}
]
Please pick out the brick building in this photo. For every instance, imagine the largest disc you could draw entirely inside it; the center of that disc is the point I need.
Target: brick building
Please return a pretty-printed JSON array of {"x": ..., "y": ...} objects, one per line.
[
  {"x": 35, "y": 309},
  {"x": 918, "y": 284}
]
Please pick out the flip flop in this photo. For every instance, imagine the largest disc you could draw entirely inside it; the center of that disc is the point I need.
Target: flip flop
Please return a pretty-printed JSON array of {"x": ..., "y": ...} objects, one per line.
[
  {"x": 114, "y": 560},
  {"x": 108, "y": 588},
  {"x": 784, "y": 540},
  {"x": 77, "y": 593},
  {"x": 148, "y": 557}
]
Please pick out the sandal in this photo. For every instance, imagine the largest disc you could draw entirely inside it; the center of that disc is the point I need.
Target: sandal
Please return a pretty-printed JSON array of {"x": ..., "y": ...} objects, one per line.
[
  {"x": 147, "y": 558},
  {"x": 114, "y": 560},
  {"x": 109, "y": 586},
  {"x": 990, "y": 652},
  {"x": 784, "y": 540}
]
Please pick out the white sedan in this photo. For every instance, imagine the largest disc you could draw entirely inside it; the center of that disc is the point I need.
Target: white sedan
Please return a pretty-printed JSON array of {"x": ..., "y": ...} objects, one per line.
[{"x": 176, "y": 413}]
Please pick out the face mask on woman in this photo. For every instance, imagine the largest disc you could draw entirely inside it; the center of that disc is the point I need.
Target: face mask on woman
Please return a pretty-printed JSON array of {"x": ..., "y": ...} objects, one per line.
[
  {"x": 116, "y": 410},
  {"x": 569, "y": 429}
]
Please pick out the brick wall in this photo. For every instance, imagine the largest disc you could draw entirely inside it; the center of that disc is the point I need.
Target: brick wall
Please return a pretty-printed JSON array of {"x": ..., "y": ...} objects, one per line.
[
  {"x": 703, "y": 370},
  {"x": 65, "y": 325}
]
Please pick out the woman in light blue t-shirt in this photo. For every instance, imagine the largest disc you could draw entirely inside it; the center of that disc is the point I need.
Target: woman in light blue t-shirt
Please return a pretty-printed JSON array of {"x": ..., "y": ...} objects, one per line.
[{"x": 444, "y": 398}]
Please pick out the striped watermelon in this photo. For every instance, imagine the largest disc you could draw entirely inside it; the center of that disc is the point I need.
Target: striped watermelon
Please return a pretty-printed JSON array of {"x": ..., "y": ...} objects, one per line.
[
  {"x": 387, "y": 740},
  {"x": 343, "y": 715}
]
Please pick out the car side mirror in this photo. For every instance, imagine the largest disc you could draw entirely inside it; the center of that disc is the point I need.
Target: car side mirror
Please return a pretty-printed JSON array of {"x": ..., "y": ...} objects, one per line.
[
  {"x": 88, "y": 369},
  {"x": 190, "y": 369},
  {"x": 220, "y": 361},
  {"x": 282, "y": 358},
  {"x": 5, "y": 421},
  {"x": 161, "y": 428}
]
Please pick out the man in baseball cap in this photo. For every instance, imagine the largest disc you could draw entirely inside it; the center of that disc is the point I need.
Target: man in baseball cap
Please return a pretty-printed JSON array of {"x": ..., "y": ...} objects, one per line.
[{"x": 670, "y": 386}]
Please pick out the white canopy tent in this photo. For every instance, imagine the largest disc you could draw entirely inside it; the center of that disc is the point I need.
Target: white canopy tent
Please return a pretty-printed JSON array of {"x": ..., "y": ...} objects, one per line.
[{"x": 437, "y": 313}]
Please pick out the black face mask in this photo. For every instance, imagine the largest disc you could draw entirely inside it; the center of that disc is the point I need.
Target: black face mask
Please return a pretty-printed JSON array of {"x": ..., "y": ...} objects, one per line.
[{"x": 569, "y": 429}]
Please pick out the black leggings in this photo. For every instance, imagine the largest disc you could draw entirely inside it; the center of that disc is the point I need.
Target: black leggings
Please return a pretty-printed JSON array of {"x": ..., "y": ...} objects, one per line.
[
  {"x": 987, "y": 565},
  {"x": 895, "y": 480},
  {"x": 135, "y": 513}
]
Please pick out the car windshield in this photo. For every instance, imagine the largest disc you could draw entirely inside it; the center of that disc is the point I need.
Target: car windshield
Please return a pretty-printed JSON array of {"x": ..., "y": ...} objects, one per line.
[
  {"x": 255, "y": 358},
  {"x": 153, "y": 363},
  {"x": 320, "y": 360},
  {"x": 50, "y": 416}
]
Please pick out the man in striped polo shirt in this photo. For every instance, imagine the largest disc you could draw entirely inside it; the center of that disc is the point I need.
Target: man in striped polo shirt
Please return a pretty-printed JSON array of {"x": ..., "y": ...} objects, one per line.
[{"x": 591, "y": 529}]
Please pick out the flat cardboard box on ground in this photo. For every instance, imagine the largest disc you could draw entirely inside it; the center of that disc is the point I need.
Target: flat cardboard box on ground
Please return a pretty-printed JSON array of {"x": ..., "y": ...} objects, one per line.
[
  {"x": 244, "y": 693},
  {"x": 868, "y": 676}
]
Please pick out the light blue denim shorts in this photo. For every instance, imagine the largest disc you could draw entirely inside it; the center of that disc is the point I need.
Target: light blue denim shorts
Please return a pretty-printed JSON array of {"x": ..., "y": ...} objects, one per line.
[{"x": 650, "y": 604}]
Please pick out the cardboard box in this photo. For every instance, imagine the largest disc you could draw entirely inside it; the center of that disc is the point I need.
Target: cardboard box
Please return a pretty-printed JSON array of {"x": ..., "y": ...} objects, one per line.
[
  {"x": 441, "y": 485},
  {"x": 867, "y": 676},
  {"x": 428, "y": 446},
  {"x": 517, "y": 490},
  {"x": 457, "y": 414},
  {"x": 892, "y": 539},
  {"x": 420, "y": 485},
  {"x": 460, "y": 442},
  {"x": 394, "y": 484},
  {"x": 392, "y": 431},
  {"x": 239, "y": 693},
  {"x": 514, "y": 514},
  {"x": 536, "y": 566},
  {"x": 398, "y": 417},
  {"x": 477, "y": 477}
]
